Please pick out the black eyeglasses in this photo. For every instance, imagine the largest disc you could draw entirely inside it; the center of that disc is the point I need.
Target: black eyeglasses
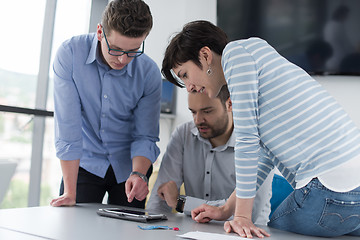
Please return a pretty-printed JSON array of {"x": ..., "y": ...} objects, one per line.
[{"x": 116, "y": 52}]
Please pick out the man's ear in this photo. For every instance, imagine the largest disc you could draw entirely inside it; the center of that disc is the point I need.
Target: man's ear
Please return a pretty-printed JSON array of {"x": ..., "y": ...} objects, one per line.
[
  {"x": 229, "y": 104},
  {"x": 207, "y": 54},
  {"x": 99, "y": 32}
]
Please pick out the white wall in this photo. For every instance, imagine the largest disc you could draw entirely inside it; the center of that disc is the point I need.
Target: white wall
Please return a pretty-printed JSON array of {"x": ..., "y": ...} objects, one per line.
[
  {"x": 346, "y": 90},
  {"x": 169, "y": 18}
]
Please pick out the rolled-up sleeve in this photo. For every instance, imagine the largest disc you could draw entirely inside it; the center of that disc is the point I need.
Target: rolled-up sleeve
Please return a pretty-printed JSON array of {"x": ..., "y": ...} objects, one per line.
[{"x": 67, "y": 117}]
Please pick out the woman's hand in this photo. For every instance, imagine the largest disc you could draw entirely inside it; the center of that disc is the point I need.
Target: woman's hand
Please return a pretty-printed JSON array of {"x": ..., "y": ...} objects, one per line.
[{"x": 244, "y": 227}]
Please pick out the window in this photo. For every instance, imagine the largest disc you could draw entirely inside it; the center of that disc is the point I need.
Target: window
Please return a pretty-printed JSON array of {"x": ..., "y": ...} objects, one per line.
[{"x": 22, "y": 50}]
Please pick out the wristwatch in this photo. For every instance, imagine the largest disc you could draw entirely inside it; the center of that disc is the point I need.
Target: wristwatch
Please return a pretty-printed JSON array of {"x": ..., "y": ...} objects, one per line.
[
  {"x": 180, "y": 203},
  {"x": 142, "y": 176}
]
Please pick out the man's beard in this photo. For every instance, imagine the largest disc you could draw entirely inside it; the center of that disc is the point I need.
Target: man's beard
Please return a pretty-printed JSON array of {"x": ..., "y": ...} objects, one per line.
[{"x": 214, "y": 132}]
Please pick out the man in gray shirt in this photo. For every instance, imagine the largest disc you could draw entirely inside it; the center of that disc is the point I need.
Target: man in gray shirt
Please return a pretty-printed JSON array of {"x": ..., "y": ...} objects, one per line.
[{"x": 200, "y": 154}]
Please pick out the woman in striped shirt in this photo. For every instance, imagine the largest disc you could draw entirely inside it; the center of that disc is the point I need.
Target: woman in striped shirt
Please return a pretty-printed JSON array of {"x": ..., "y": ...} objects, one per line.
[{"x": 282, "y": 117}]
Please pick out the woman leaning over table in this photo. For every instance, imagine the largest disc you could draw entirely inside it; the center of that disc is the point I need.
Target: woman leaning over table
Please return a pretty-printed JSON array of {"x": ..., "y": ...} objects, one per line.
[{"x": 283, "y": 115}]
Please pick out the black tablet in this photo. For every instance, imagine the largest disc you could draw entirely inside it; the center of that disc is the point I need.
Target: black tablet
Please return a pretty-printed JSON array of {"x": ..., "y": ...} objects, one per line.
[{"x": 132, "y": 215}]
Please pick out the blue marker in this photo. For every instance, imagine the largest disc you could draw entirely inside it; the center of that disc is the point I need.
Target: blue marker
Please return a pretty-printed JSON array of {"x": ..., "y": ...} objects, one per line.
[{"x": 151, "y": 227}]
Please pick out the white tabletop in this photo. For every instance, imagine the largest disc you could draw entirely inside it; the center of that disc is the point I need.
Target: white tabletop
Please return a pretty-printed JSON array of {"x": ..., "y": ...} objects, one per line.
[
  {"x": 10, "y": 234},
  {"x": 82, "y": 222}
]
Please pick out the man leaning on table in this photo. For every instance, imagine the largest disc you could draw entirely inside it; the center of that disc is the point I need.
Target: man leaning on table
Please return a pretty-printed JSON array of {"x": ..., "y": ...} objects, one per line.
[
  {"x": 200, "y": 154},
  {"x": 107, "y": 107}
]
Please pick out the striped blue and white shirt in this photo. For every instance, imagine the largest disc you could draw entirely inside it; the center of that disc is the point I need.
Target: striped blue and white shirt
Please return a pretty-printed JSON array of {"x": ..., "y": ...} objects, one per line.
[{"x": 283, "y": 115}]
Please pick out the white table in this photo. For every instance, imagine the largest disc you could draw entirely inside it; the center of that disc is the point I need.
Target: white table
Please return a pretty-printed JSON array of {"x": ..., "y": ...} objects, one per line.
[{"x": 82, "y": 222}]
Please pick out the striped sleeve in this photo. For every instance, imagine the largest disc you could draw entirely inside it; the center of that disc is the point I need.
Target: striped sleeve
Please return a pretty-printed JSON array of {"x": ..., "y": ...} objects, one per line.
[
  {"x": 279, "y": 108},
  {"x": 241, "y": 76}
]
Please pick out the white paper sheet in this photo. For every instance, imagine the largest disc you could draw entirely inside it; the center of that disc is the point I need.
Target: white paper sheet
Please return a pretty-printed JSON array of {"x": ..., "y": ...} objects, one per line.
[{"x": 209, "y": 236}]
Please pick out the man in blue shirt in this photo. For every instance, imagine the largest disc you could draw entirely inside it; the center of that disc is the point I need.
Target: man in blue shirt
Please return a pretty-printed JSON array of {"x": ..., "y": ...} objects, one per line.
[{"x": 107, "y": 106}]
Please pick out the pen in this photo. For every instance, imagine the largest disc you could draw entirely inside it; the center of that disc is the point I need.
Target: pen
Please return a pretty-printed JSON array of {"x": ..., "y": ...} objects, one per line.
[{"x": 151, "y": 227}]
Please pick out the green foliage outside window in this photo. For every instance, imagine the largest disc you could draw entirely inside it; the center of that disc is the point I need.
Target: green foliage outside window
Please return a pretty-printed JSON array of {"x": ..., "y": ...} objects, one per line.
[{"x": 17, "y": 193}]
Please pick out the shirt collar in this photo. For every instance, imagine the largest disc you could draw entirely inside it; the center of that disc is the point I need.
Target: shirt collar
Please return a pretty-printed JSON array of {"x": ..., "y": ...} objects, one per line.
[
  {"x": 229, "y": 143},
  {"x": 95, "y": 54},
  {"x": 93, "y": 50}
]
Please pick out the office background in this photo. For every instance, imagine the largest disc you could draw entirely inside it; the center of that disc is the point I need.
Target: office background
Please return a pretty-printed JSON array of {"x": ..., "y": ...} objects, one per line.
[{"x": 32, "y": 32}]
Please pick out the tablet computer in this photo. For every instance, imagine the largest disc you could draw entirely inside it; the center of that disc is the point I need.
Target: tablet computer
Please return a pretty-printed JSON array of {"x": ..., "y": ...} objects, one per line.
[{"x": 132, "y": 215}]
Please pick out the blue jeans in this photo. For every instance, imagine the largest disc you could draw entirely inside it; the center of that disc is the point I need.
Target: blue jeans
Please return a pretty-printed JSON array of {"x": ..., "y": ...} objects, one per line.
[{"x": 317, "y": 211}]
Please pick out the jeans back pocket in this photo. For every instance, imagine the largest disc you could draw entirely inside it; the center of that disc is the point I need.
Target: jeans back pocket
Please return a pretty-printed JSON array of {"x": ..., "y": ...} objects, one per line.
[{"x": 340, "y": 217}]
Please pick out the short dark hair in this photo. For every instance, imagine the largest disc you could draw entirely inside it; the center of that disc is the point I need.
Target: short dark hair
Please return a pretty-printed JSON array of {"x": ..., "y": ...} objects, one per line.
[
  {"x": 224, "y": 94},
  {"x": 186, "y": 45},
  {"x": 131, "y": 18}
]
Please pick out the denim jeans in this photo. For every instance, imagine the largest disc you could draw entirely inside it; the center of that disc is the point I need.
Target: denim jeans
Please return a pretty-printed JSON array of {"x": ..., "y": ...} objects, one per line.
[{"x": 317, "y": 211}]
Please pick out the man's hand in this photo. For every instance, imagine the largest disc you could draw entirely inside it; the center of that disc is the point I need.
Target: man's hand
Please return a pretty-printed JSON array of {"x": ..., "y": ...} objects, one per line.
[
  {"x": 244, "y": 227},
  {"x": 70, "y": 171},
  {"x": 135, "y": 187},
  {"x": 205, "y": 213},
  {"x": 169, "y": 192},
  {"x": 64, "y": 200}
]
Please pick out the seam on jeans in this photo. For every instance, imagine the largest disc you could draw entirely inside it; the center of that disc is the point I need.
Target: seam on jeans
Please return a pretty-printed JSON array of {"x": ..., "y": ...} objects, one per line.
[
  {"x": 321, "y": 216},
  {"x": 320, "y": 186},
  {"x": 305, "y": 192},
  {"x": 284, "y": 213}
]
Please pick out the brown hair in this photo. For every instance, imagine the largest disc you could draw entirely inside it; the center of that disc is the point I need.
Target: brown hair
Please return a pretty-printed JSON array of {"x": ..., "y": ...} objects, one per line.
[
  {"x": 131, "y": 18},
  {"x": 224, "y": 94}
]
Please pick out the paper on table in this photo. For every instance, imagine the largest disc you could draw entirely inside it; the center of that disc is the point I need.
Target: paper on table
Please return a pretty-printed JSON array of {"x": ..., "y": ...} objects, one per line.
[{"x": 209, "y": 236}]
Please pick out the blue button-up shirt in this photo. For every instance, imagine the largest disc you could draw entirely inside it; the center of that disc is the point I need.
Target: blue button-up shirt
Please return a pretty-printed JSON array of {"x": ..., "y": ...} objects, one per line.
[{"x": 104, "y": 116}]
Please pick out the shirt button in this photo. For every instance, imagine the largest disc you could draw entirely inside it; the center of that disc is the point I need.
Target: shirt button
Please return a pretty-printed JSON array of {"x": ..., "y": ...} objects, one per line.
[
  {"x": 211, "y": 151},
  {"x": 207, "y": 195},
  {"x": 102, "y": 130},
  {"x": 207, "y": 172},
  {"x": 103, "y": 115},
  {"x": 105, "y": 96}
]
